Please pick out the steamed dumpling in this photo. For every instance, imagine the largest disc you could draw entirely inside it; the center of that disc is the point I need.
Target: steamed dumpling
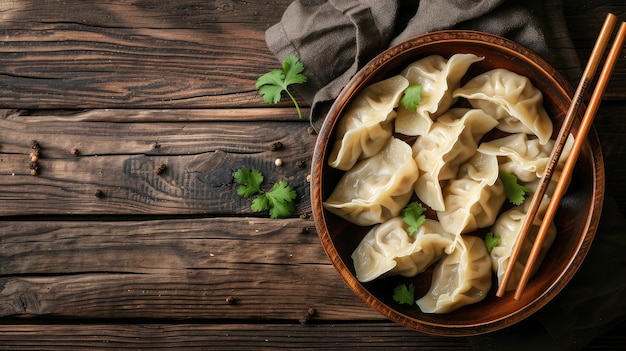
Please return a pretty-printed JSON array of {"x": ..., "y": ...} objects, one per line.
[
  {"x": 438, "y": 77},
  {"x": 387, "y": 249},
  {"x": 510, "y": 98},
  {"x": 366, "y": 125},
  {"x": 474, "y": 199},
  {"x": 525, "y": 157},
  {"x": 451, "y": 141},
  {"x": 459, "y": 279},
  {"x": 376, "y": 188},
  {"x": 507, "y": 227}
]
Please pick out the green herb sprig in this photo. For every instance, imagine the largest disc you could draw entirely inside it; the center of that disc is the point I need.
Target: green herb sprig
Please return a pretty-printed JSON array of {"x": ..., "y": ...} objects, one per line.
[
  {"x": 272, "y": 84},
  {"x": 404, "y": 294},
  {"x": 515, "y": 192},
  {"x": 280, "y": 200},
  {"x": 413, "y": 215}
]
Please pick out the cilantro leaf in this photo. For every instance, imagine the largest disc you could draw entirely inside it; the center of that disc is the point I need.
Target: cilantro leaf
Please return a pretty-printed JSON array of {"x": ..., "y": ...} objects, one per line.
[
  {"x": 412, "y": 97},
  {"x": 273, "y": 83},
  {"x": 249, "y": 181},
  {"x": 413, "y": 215},
  {"x": 260, "y": 203},
  {"x": 281, "y": 200},
  {"x": 492, "y": 240},
  {"x": 404, "y": 294},
  {"x": 514, "y": 191}
]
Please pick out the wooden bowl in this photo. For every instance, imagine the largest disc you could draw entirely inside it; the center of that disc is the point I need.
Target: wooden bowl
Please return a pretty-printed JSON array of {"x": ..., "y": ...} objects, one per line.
[{"x": 576, "y": 219}]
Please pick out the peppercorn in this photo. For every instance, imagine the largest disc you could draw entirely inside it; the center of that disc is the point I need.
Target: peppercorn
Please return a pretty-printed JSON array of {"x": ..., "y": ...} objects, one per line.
[
  {"x": 276, "y": 146},
  {"x": 160, "y": 168},
  {"x": 34, "y": 168}
]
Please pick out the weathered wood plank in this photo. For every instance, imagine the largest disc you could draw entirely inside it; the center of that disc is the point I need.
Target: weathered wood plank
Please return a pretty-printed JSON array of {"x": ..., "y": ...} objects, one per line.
[
  {"x": 205, "y": 145},
  {"x": 228, "y": 336},
  {"x": 76, "y": 54},
  {"x": 120, "y": 160},
  {"x": 72, "y": 66},
  {"x": 266, "y": 113},
  {"x": 189, "y": 336},
  {"x": 200, "y": 14},
  {"x": 176, "y": 269},
  {"x": 63, "y": 63}
]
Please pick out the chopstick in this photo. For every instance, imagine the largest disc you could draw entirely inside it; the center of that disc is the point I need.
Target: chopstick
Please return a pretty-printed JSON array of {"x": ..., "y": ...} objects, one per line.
[
  {"x": 568, "y": 168},
  {"x": 588, "y": 74}
]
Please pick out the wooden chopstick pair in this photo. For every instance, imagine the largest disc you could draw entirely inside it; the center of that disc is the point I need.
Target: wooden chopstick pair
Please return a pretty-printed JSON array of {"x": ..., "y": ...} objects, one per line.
[{"x": 566, "y": 173}]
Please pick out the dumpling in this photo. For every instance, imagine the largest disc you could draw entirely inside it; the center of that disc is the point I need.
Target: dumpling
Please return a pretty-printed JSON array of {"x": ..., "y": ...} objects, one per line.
[
  {"x": 507, "y": 227},
  {"x": 387, "y": 249},
  {"x": 366, "y": 125},
  {"x": 459, "y": 279},
  {"x": 512, "y": 100},
  {"x": 474, "y": 199},
  {"x": 376, "y": 188},
  {"x": 452, "y": 140},
  {"x": 438, "y": 77},
  {"x": 525, "y": 158}
]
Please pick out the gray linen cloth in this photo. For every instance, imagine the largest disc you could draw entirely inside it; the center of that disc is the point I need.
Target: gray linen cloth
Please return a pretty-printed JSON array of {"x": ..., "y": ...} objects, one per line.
[{"x": 334, "y": 38}]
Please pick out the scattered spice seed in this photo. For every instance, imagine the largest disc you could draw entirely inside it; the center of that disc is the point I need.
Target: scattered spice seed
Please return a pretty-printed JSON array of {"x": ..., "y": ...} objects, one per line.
[
  {"x": 230, "y": 300},
  {"x": 98, "y": 193},
  {"x": 304, "y": 215},
  {"x": 74, "y": 152},
  {"x": 160, "y": 168},
  {"x": 305, "y": 230},
  {"x": 156, "y": 145},
  {"x": 34, "y": 168},
  {"x": 34, "y": 157},
  {"x": 311, "y": 131},
  {"x": 309, "y": 313},
  {"x": 276, "y": 146},
  {"x": 35, "y": 145},
  {"x": 308, "y": 178},
  {"x": 300, "y": 164},
  {"x": 278, "y": 162}
]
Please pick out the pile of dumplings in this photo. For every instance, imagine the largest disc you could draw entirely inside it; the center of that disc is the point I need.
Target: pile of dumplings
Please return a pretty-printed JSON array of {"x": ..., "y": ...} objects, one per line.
[{"x": 449, "y": 169}]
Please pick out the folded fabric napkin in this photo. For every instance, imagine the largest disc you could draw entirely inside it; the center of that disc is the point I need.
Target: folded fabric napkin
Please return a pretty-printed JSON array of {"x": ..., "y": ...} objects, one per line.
[{"x": 335, "y": 38}]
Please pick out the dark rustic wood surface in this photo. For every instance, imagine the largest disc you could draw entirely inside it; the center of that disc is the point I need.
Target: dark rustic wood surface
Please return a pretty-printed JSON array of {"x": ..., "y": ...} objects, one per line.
[{"x": 178, "y": 259}]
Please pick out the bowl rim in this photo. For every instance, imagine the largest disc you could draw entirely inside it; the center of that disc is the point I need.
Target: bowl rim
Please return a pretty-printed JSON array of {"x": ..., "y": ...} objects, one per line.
[{"x": 357, "y": 82}]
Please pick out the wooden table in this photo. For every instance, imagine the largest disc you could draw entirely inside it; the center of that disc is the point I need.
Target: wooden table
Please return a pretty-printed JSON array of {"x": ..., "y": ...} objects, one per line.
[{"x": 100, "y": 250}]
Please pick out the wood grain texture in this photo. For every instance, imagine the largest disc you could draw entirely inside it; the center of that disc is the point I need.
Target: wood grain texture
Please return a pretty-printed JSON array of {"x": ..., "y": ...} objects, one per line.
[
  {"x": 120, "y": 160},
  {"x": 189, "y": 336},
  {"x": 150, "y": 55},
  {"x": 73, "y": 66},
  {"x": 134, "y": 54},
  {"x": 193, "y": 14},
  {"x": 134, "y": 269},
  {"x": 226, "y": 336}
]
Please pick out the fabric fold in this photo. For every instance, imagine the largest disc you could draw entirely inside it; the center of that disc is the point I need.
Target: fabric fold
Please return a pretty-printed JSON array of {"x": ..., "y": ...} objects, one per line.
[{"x": 334, "y": 39}]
